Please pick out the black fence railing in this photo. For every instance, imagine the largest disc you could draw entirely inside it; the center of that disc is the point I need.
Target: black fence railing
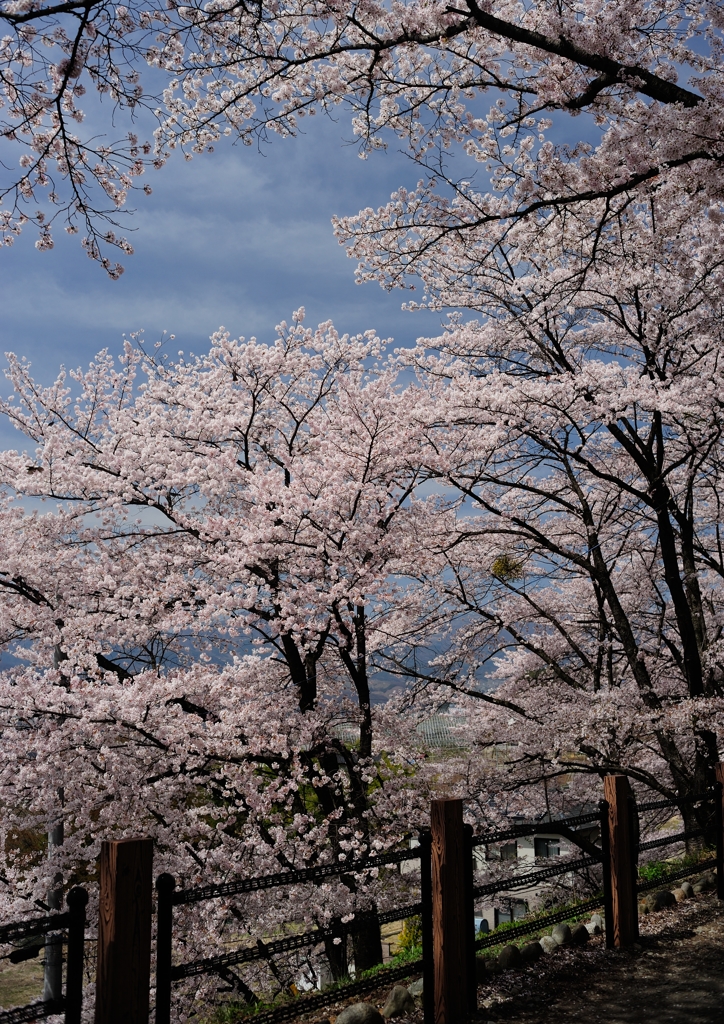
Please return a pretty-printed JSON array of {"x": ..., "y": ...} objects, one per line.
[
  {"x": 169, "y": 897},
  {"x": 657, "y": 805},
  {"x": 263, "y": 950},
  {"x": 306, "y": 1004},
  {"x": 611, "y": 843},
  {"x": 50, "y": 929},
  {"x": 295, "y": 876},
  {"x": 539, "y": 923},
  {"x": 535, "y": 827},
  {"x": 673, "y": 876},
  {"x": 678, "y": 837},
  {"x": 533, "y": 877}
]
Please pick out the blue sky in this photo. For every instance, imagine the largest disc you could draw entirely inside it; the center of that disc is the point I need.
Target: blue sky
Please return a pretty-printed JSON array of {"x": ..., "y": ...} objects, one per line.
[{"x": 238, "y": 238}]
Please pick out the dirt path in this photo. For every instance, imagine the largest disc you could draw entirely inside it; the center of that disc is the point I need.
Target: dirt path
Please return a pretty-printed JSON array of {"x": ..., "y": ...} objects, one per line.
[{"x": 675, "y": 975}]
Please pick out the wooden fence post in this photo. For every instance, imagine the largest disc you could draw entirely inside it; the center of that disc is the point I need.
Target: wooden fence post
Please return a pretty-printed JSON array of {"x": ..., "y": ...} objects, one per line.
[
  {"x": 449, "y": 912},
  {"x": 624, "y": 905},
  {"x": 719, "y": 822},
  {"x": 123, "y": 973}
]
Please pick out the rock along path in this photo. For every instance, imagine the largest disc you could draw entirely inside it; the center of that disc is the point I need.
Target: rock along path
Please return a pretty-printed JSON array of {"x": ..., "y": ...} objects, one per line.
[{"x": 675, "y": 975}]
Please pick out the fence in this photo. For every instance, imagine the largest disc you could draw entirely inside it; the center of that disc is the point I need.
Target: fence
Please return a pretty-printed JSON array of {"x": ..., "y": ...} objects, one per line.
[
  {"x": 448, "y": 894},
  {"x": 51, "y": 929},
  {"x": 168, "y": 898}
]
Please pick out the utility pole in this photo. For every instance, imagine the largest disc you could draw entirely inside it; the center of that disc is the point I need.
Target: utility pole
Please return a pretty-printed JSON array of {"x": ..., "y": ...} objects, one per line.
[{"x": 53, "y": 972}]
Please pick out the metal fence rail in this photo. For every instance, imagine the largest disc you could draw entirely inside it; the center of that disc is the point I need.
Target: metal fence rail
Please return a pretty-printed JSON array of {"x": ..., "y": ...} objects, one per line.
[
  {"x": 183, "y": 897},
  {"x": 33, "y": 926},
  {"x": 529, "y": 828},
  {"x": 74, "y": 922},
  {"x": 305, "y": 1004},
  {"x": 657, "y": 805},
  {"x": 661, "y": 883},
  {"x": 678, "y": 837},
  {"x": 517, "y": 881},
  {"x": 263, "y": 950},
  {"x": 34, "y": 1011}
]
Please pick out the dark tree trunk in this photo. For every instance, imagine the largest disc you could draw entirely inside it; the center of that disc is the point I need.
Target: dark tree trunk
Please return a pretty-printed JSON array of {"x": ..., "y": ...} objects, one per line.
[
  {"x": 337, "y": 955},
  {"x": 367, "y": 946}
]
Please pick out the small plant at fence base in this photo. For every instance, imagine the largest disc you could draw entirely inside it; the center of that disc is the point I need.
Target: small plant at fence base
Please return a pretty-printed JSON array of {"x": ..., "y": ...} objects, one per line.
[
  {"x": 661, "y": 870},
  {"x": 410, "y": 938}
]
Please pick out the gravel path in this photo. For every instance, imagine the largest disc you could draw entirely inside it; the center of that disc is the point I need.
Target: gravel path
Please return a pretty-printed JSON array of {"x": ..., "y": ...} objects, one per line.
[{"x": 675, "y": 975}]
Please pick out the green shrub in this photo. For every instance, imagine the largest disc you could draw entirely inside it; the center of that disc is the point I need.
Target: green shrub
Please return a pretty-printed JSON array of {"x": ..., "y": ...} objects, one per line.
[{"x": 411, "y": 934}]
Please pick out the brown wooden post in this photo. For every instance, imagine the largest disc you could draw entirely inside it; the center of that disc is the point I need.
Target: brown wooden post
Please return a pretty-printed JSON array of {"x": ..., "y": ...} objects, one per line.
[
  {"x": 624, "y": 905},
  {"x": 449, "y": 912},
  {"x": 124, "y": 932},
  {"x": 719, "y": 825}
]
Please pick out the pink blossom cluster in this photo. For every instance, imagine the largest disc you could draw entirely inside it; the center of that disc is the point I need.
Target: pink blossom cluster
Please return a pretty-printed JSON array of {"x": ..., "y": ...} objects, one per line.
[{"x": 485, "y": 81}]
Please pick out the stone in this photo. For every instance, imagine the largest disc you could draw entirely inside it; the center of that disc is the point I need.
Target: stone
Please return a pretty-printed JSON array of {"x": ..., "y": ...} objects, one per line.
[
  {"x": 561, "y": 934},
  {"x": 360, "y": 1013},
  {"x": 709, "y": 880},
  {"x": 593, "y": 929},
  {"x": 399, "y": 1002},
  {"x": 698, "y": 887},
  {"x": 495, "y": 1003},
  {"x": 531, "y": 952},
  {"x": 658, "y": 901},
  {"x": 481, "y": 970},
  {"x": 688, "y": 888},
  {"x": 416, "y": 988},
  {"x": 548, "y": 944},
  {"x": 579, "y": 935},
  {"x": 509, "y": 958},
  {"x": 598, "y": 919},
  {"x": 679, "y": 895}
]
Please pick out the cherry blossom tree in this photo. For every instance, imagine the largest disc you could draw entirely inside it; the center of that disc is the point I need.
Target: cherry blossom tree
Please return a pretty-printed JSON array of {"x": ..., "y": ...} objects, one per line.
[
  {"x": 578, "y": 424},
  {"x": 647, "y": 76},
  {"x": 192, "y": 618}
]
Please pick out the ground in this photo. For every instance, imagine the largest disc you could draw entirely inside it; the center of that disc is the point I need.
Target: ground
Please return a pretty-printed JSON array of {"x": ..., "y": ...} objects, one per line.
[
  {"x": 20, "y": 983},
  {"x": 675, "y": 975}
]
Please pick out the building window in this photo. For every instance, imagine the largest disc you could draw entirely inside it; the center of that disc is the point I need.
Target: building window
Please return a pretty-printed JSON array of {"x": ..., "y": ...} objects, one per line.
[
  {"x": 547, "y": 847},
  {"x": 516, "y": 910},
  {"x": 509, "y": 851}
]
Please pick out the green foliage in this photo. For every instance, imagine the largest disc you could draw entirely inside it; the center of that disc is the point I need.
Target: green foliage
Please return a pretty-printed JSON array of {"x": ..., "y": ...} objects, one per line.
[
  {"x": 411, "y": 934},
  {"x": 660, "y": 870},
  {"x": 507, "y": 568}
]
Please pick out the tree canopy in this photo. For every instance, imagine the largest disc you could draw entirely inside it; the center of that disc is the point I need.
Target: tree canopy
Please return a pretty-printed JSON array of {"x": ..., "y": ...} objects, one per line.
[{"x": 488, "y": 79}]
